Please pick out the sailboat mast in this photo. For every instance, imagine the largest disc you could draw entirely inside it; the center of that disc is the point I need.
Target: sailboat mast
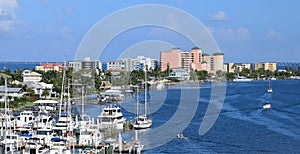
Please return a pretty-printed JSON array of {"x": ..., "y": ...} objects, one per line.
[
  {"x": 62, "y": 87},
  {"x": 146, "y": 93},
  {"x": 5, "y": 114},
  {"x": 82, "y": 100},
  {"x": 137, "y": 101}
]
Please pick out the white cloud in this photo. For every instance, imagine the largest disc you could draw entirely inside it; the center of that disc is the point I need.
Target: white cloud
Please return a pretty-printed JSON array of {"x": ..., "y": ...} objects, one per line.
[
  {"x": 173, "y": 22},
  {"x": 231, "y": 34},
  {"x": 7, "y": 14},
  {"x": 220, "y": 16},
  {"x": 273, "y": 35}
]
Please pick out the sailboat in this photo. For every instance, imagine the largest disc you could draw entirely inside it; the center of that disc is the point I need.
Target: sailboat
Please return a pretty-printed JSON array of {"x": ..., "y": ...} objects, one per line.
[
  {"x": 142, "y": 121},
  {"x": 270, "y": 90}
]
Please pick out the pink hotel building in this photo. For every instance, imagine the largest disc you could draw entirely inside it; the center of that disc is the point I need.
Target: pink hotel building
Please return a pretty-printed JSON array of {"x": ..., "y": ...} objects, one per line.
[{"x": 191, "y": 60}]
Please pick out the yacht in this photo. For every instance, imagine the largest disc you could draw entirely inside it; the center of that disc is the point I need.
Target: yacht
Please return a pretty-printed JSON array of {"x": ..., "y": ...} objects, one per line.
[
  {"x": 45, "y": 133},
  {"x": 44, "y": 120},
  {"x": 242, "y": 79},
  {"x": 36, "y": 146},
  {"x": 12, "y": 142},
  {"x": 111, "y": 115},
  {"x": 64, "y": 124},
  {"x": 267, "y": 105},
  {"x": 58, "y": 146},
  {"x": 25, "y": 119}
]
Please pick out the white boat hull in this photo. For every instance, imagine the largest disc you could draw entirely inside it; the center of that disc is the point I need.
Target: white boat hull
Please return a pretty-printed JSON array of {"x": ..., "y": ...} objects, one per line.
[
  {"x": 242, "y": 80},
  {"x": 267, "y": 106}
]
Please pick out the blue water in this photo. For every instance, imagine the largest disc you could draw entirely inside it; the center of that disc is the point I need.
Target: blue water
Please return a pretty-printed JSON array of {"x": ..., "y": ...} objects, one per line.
[
  {"x": 12, "y": 66},
  {"x": 242, "y": 126}
]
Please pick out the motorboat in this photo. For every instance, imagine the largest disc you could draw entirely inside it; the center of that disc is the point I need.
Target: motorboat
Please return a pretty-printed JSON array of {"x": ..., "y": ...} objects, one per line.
[
  {"x": 44, "y": 120},
  {"x": 242, "y": 79},
  {"x": 64, "y": 124},
  {"x": 111, "y": 115},
  {"x": 267, "y": 105},
  {"x": 25, "y": 119},
  {"x": 36, "y": 146},
  {"x": 59, "y": 145}
]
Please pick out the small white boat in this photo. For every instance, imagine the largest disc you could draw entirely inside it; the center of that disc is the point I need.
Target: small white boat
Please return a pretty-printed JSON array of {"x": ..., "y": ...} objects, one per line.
[
  {"x": 242, "y": 79},
  {"x": 267, "y": 106},
  {"x": 142, "y": 121},
  {"x": 180, "y": 135}
]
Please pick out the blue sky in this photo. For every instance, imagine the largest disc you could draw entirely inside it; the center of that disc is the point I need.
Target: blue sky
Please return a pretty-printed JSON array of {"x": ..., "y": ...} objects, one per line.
[{"x": 245, "y": 31}]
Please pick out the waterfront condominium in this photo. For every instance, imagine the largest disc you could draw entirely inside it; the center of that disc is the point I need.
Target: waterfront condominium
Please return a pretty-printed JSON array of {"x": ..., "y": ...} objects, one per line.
[{"x": 193, "y": 60}]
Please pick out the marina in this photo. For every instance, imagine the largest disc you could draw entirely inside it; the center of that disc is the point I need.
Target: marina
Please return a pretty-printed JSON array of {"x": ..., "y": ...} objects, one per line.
[{"x": 106, "y": 128}]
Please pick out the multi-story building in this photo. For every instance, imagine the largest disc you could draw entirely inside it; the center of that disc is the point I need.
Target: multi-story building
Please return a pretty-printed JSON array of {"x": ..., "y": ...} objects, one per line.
[
  {"x": 86, "y": 64},
  {"x": 214, "y": 62},
  {"x": 51, "y": 67},
  {"x": 266, "y": 66},
  {"x": 29, "y": 76},
  {"x": 129, "y": 64},
  {"x": 178, "y": 59},
  {"x": 116, "y": 65},
  {"x": 143, "y": 63},
  {"x": 170, "y": 60},
  {"x": 233, "y": 67}
]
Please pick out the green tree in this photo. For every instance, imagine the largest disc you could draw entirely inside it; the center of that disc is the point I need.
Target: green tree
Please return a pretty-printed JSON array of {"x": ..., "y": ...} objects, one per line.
[
  {"x": 45, "y": 93},
  {"x": 202, "y": 75}
]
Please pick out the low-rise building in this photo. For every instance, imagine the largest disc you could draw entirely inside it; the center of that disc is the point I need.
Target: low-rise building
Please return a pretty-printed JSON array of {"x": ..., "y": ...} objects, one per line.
[
  {"x": 116, "y": 65},
  {"x": 85, "y": 64},
  {"x": 12, "y": 93},
  {"x": 51, "y": 67},
  {"x": 30, "y": 76},
  {"x": 266, "y": 66},
  {"x": 236, "y": 67},
  {"x": 179, "y": 74}
]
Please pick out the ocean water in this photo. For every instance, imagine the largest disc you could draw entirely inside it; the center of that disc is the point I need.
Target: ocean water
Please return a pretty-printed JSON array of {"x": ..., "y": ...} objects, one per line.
[
  {"x": 242, "y": 126},
  {"x": 12, "y": 66}
]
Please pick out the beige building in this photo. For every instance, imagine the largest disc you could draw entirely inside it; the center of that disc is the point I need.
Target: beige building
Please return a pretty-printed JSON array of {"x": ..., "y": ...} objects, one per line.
[
  {"x": 214, "y": 62},
  {"x": 232, "y": 67},
  {"x": 29, "y": 76},
  {"x": 266, "y": 66}
]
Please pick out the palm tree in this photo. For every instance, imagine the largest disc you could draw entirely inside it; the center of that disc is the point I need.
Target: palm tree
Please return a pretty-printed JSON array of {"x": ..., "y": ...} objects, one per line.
[{"x": 45, "y": 93}]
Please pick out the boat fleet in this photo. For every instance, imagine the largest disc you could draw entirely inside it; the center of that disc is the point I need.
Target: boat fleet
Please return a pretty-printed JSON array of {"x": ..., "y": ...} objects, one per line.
[
  {"x": 42, "y": 129},
  {"x": 41, "y": 132}
]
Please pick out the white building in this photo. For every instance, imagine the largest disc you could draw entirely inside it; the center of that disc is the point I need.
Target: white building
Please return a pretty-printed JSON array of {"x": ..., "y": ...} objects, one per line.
[
  {"x": 143, "y": 63},
  {"x": 179, "y": 74},
  {"x": 29, "y": 76},
  {"x": 85, "y": 64},
  {"x": 129, "y": 64},
  {"x": 116, "y": 65}
]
